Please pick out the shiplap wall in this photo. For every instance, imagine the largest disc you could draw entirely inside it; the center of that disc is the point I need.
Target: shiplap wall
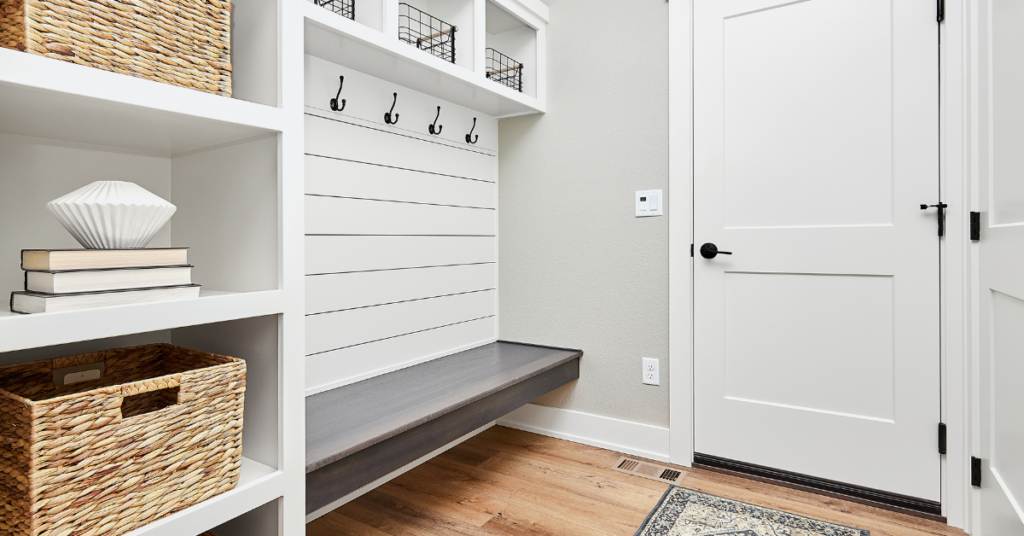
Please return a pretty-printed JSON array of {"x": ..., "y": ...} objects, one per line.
[{"x": 401, "y": 227}]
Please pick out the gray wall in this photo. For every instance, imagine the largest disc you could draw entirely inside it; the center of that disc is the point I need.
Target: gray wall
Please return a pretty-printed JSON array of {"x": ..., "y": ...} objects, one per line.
[{"x": 578, "y": 269}]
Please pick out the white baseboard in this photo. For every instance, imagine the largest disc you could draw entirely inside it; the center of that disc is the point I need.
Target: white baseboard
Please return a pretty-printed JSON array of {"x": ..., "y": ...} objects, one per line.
[
  {"x": 642, "y": 440},
  {"x": 390, "y": 476}
]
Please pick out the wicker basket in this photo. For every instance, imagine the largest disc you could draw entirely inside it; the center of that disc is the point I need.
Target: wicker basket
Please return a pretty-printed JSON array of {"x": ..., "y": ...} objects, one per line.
[
  {"x": 161, "y": 430},
  {"x": 182, "y": 42}
]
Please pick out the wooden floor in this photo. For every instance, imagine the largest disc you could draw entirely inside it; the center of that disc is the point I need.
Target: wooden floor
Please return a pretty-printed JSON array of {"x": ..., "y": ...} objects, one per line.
[{"x": 509, "y": 482}]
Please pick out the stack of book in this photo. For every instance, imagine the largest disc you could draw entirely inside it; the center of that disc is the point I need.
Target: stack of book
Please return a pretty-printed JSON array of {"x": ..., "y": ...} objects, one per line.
[{"x": 70, "y": 279}]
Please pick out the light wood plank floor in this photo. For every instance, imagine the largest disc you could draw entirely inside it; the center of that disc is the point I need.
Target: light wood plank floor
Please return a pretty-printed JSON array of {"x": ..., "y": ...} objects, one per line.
[{"x": 508, "y": 482}]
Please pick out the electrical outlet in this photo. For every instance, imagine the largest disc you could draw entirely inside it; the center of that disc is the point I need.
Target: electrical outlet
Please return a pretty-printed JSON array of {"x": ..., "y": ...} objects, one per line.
[{"x": 651, "y": 372}]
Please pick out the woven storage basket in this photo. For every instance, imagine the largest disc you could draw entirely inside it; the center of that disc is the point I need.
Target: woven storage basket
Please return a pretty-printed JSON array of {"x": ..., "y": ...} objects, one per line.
[
  {"x": 161, "y": 430},
  {"x": 182, "y": 42}
]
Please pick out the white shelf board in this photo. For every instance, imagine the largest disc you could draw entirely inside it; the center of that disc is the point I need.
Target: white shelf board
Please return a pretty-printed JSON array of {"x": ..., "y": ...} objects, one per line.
[
  {"x": 20, "y": 332},
  {"x": 339, "y": 40},
  {"x": 53, "y": 99},
  {"x": 257, "y": 485}
]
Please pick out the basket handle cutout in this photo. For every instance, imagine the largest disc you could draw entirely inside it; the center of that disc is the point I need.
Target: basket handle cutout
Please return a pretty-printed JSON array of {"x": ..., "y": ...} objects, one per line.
[{"x": 149, "y": 401}]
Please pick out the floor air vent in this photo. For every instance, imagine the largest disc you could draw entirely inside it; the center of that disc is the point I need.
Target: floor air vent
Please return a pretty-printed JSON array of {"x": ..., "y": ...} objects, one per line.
[{"x": 649, "y": 470}]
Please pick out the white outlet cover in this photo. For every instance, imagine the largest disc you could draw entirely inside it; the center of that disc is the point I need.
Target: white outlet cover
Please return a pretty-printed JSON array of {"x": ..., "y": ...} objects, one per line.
[
  {"x": 651, "y": 371},
  {"x": 649, "y": 203}
]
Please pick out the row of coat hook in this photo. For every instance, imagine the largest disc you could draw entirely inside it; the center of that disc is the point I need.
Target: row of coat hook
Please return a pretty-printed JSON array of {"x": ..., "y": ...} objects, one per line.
[{"x": 391, "y": 118}]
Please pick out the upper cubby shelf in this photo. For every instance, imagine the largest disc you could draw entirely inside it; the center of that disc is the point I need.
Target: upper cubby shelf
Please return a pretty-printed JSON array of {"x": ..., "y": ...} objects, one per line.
[
  {"x": 511, "y": 56},
  {"x": 373, "y": 46},
  {"x": 46, "y": 98}
]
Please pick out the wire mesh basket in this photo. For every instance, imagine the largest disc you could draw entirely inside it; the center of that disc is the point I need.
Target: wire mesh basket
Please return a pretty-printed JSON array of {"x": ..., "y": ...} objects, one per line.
[
  {"x": 345, "y": 8},
  {"x": 426, "y": 32},
  {"x": 504, "y": 70}
]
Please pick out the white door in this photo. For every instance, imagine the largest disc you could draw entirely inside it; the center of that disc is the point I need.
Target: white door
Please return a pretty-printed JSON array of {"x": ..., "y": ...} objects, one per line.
[
  {"x": 816, "y": 342},
  {"x": 1001, "y": 268}
]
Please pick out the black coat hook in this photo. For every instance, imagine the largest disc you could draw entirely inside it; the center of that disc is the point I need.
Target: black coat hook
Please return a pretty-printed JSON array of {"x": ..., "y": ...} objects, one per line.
[
  {"x": 470, "y": 138},
  {"x": 387, "y": 117},
  {"x": 334, "y": 101},
  {"x": 435, "y": 129}
]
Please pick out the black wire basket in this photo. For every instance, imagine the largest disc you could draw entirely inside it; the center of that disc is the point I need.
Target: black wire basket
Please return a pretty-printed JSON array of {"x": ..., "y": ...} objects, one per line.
[
  {"x": 504, "y": 70},
  {"x": 345, "y": 8},
  {"x": 426, "y": 32}
]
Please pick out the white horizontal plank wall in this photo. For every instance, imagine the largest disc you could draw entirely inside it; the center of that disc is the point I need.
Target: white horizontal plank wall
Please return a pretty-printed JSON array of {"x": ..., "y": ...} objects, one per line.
[
  {"x": 401, "y": 226},
  {"x": 367, "y": 99},
  {"x": 343, "y": 254},
  {"x": 340, "y": 292}
]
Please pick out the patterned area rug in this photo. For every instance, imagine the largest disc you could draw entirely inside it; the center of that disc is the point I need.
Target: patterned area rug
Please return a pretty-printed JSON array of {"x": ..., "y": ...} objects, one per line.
[{"x": 685, "y": 512}]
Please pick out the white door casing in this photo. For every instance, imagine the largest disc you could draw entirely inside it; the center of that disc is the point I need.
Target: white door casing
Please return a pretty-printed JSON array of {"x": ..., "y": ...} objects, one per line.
[
  {"x": 1001, "y": 259},
  {"x": 816, "y": 344}
]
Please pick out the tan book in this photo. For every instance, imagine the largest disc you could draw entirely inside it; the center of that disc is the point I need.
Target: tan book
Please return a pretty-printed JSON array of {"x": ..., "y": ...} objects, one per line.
[
  {"x": 37, "y": 302},
  {"x": 55, "y": 260}
]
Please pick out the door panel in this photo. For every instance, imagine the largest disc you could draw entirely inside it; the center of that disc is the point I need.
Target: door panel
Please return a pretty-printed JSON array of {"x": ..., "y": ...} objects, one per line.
[
  {"x": 1008, "y": 397},
  {"x": 1001, "y": 293},
  {"x": 805, "y": 313},
  {"x": 816, "y": 140},
  {"x": 784, "y": 124}
]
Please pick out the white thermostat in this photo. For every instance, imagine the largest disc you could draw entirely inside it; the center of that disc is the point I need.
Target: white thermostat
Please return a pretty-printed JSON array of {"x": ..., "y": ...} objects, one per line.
[{"x": 649, "y": 203}]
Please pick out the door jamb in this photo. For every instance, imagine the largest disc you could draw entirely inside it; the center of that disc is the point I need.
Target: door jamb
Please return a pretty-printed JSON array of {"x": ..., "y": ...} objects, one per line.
[
  {"x": 956, "y": 178},
  {"x": 680, "y": 225}
]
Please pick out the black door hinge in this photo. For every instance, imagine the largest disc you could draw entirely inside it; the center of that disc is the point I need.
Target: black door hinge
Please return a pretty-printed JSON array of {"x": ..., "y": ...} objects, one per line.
[
  {"x": 940, "y": 10},
  {"x": 691, "y": 250},
  {"x": 976, "y": 472},
  {"x": 975, "y": 226},
  {"x": 942, "y": 438}
]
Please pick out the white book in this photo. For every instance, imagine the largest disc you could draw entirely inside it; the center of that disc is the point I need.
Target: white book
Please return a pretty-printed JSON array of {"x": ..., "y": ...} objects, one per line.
[
  {"x": 66, "y": 282},
  {"x": 36, "y": 302}
]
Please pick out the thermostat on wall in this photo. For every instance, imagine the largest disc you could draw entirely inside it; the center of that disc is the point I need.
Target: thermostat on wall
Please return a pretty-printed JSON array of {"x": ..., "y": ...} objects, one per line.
[{"x": 648, "y": 203}]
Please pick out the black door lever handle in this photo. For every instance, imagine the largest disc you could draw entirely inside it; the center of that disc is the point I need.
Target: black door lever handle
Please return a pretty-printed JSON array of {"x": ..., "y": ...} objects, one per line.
[
  {"x": 710, "y": 251},
  {"x": 942, "y": 215}
]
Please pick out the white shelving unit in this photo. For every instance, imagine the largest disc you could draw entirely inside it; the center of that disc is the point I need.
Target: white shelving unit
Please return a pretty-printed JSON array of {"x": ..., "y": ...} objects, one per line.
[
  {"x": 516, "y": 39},
  {"x": 234, "y": 168},
  {"x": 257, "y": 485},
  {"x": 18, "y": 332},
  {"x": 56, "y": 100},
  {"x": 382, "y": 55}
]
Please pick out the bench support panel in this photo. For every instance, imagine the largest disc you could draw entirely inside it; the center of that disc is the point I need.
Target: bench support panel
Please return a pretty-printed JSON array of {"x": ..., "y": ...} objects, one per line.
[{"x": 340, "y": 478}]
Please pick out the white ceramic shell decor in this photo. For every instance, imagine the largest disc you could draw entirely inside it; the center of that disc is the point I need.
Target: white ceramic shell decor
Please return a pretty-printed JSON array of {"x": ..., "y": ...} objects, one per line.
[{"x": 112, "y": 214}]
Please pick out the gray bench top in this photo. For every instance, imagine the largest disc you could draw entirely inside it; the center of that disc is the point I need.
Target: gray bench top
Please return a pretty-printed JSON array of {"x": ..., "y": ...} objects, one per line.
[{"x": 348, "y": 419}]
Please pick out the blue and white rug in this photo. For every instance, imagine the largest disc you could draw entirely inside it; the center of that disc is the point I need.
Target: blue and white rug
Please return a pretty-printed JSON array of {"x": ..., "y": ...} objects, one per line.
[{"x": 685, "y": 512}]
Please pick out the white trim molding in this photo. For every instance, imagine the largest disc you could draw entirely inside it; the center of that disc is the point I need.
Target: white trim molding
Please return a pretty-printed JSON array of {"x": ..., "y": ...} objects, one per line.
[
  {"x": 680, "y": 231},
  {"x": 644, "y": 440},
  {"x": 955, "y": 283}
]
